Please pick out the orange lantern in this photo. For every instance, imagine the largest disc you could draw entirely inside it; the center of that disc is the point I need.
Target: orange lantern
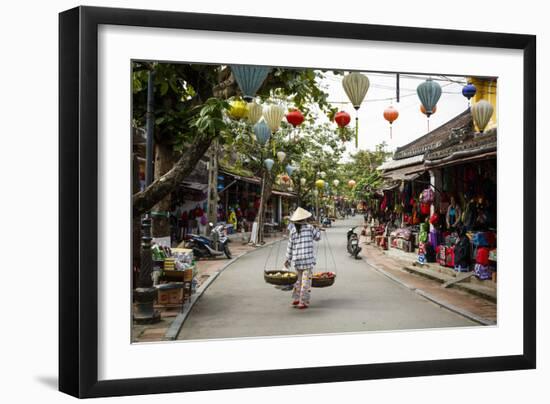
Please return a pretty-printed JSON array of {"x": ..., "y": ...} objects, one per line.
[
  {"x": 423, "y": 110},
  {"x": 390, "y": 115},
  {"x": 351, "y": 183}
]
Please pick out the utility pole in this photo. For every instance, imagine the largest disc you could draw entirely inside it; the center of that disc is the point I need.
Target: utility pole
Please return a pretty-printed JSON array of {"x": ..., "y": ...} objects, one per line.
[{"x": 144, "y": 294}]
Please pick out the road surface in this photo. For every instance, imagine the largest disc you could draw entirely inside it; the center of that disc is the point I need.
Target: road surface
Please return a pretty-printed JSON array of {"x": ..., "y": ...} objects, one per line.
[{"x": 240, "y": 304}]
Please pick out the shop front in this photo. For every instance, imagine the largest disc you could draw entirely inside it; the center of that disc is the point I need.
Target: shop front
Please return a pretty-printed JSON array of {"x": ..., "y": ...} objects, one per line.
[{"x": 440, "y": 199}]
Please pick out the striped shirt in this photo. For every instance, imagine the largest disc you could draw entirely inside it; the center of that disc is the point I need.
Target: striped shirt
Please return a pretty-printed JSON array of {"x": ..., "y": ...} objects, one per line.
[{"x": 299, "y": 249}]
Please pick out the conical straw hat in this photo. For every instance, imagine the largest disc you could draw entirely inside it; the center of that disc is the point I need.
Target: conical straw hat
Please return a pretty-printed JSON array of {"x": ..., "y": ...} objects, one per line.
[{"x": 299, "y": 215}]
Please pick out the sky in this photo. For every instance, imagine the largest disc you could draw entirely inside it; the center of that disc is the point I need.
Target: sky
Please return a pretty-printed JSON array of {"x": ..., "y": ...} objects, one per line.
[{"x": 411, "y": 123}]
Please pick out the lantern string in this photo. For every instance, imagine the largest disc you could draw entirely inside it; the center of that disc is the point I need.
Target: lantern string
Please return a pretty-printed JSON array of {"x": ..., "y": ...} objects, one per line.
[{"x": 357, "y": 129}]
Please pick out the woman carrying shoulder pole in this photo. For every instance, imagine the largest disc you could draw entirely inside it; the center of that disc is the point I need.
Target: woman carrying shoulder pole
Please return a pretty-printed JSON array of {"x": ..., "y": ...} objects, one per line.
[{"x": 300, "y": 253}]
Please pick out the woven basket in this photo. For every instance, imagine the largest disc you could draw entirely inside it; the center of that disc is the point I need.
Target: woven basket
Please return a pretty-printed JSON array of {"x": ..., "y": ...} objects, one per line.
[
  {"x": 322, "y": 282},
  {"x": 280, "y": 281}
]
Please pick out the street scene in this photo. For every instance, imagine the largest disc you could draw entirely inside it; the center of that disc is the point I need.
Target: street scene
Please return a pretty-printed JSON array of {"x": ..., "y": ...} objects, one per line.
[{"x": 275, "y": 201}]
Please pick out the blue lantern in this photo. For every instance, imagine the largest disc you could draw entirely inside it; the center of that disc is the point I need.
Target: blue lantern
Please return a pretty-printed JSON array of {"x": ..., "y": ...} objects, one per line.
[
  {"x": 289, "y": 169},
  {"x": 429, "y": 93},
  {"x": 262, "y": 132},
  {"x": 269, "y": 164},
  {"x": 249, "y": 78},
  {"x": 469, "y": 90}
]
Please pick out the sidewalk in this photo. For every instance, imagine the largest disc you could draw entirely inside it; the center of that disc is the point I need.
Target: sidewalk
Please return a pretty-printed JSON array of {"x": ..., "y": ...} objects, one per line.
[
  {"x": 207, "y": 270},
  {"x": 475, "y": 300}
]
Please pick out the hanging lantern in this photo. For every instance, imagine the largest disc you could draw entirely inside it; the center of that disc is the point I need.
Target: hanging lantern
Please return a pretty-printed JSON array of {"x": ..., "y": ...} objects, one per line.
[
  {"x": 320, "y": 184},
  {"x": 285, "y": 178},
  {"x": 281, "y": 156},
  {"x": 316, "y": 193},
  {"x": 269, "y": 164},
  {"x": 390, "y": 115},
  {"x": 323, "y": 174},
  {"x": 254, "y": 113},
  {"x": 262, "y": 132},
  {"x": 289, "y": 169},
  {"x": 302, "y": 181},
  {"x": 429, "y": 93},
  {"x": 342, "y": 119},
  {"x": 468, "y": 91},
  {"x": 295, "y": 117},
  {"x": 356, "y": 86},
  {"x": 482, "y": 112},
  {"x": 336, "y": 183},
  {"x": 238, "y": 109},
  {"x": 423, "y": 110},
  {"x": 351, "y": 183},
  {"x": 273, "y": 116},
  {"x": 249, "y": 78}
]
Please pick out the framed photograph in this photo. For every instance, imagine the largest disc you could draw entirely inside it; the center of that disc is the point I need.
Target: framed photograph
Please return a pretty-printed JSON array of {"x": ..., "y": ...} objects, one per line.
[{"x": 251, "y": 202}]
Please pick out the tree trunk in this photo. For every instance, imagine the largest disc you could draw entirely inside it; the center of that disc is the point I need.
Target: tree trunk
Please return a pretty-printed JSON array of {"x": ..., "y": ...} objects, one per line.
[
  {"x": 212, "y": 206},
  {"x": 264, "y": 198},
  {"x": 164, "y": 160},
  {"x": 162, "y": 186}
]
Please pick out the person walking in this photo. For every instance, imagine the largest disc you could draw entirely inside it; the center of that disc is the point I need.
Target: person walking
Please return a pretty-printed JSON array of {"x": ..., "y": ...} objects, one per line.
[{"x": 300, "y": 253}]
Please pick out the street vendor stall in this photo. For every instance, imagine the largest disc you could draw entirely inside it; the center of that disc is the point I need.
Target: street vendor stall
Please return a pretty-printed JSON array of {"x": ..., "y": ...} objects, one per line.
[{"x": 174, "y": 274}]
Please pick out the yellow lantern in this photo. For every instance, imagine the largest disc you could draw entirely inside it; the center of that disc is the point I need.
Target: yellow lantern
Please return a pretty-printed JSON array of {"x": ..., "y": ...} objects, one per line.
[
  {"x": 320, "y": 184},
  {"x": 238, "y": 109}
]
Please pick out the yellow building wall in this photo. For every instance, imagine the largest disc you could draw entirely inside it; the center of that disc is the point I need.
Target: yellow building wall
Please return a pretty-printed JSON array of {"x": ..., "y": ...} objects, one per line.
[{"x": 486, "y": 89}]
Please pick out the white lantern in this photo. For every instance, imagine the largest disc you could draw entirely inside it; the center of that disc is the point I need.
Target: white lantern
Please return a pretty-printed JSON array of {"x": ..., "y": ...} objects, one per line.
[
  {"x": 273, "y": 115},
  {"x": 482, "y": 112},
  {"x": 254, "y": 112},
  {"x": 281, "y": 156},
  {"x": 302, "y": 181}
]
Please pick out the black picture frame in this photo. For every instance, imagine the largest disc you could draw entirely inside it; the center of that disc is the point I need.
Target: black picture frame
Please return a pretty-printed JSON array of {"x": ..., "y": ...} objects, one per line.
[{"x": 78, "y": 196}]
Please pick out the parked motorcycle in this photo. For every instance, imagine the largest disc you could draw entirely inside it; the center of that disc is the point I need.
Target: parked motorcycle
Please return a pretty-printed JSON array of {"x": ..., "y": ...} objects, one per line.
[
  {"x": 326, "y": 222},
  {"x": 353, "y": 243},
  {"x": 215, "y": 246}
]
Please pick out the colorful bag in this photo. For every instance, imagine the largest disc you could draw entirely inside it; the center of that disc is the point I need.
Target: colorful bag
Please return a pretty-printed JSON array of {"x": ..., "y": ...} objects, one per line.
[
  {"x": 427, "y": 196},
  {"x": 450, "y": 257},
  {"x": 482, "y": 256},
  {"x": 434, "y": 237},
  {"x": 425, "y": 209},
  {"x": 483, "y": 272},
  {"x": 441, "y": 255},
  {"x": 480, "y": 240}
]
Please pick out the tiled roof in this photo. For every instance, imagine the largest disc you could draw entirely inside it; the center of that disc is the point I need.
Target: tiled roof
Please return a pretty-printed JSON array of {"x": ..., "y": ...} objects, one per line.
[{"x": 437, "y": 138}]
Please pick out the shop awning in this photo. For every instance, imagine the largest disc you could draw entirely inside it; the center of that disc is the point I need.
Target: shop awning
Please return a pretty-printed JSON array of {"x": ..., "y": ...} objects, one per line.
[
  {"x": 281, "y": 193},
  {"x": 394, "y": 164},
  {"x": 409, "y": 173},
  {"x": 388, "y": 185}
]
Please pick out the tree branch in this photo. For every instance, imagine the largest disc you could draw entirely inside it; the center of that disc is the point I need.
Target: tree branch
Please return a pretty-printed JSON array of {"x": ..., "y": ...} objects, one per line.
[{"x": 145, "y": 200}]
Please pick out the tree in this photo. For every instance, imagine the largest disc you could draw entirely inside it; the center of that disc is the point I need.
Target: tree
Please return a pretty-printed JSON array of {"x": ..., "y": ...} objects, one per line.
[
  {"x": 181, "y": 91},
  {"x": 363, "y": 169}
]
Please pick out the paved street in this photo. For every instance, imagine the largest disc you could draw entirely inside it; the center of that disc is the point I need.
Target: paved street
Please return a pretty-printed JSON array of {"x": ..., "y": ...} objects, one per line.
[{"x": 239, "y": 303}]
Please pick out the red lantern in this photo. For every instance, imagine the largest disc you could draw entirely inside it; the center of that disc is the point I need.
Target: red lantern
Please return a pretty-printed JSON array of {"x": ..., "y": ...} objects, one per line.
[
  {"x": 391, "y": 114},
  {"x": 423, "y": 110},
  {"x": 295, "y": 117},
  {"x": 342, "y": 118}
]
